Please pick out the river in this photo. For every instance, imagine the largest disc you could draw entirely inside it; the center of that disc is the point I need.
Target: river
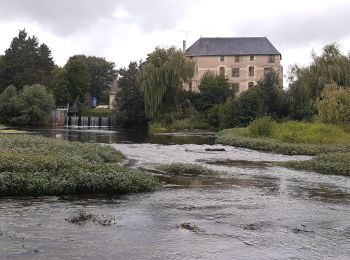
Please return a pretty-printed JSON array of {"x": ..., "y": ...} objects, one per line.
[{"x": 252, "y": 211}]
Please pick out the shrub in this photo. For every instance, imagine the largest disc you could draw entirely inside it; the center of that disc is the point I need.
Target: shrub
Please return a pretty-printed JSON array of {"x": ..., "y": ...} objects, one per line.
[{"x": 263, "y": 126}]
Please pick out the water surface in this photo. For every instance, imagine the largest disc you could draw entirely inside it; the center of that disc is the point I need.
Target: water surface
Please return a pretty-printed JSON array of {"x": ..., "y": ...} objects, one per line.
[{"x": 253, "y": 210}]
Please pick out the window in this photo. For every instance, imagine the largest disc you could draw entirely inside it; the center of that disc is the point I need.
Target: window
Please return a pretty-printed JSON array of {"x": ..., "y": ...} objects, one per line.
[
  {"x": 251, "y": 71},
  {"x": 235, "y": 72},
  {"x": 250, "y": 84},
  {"x": 272, "y": 59},
  {"x": 222, "y": 71},
  {"x": 236, "y": 58},
  {"x": 251, "y": 58},
  {"x": 222, "y": 58},
  {"x": 267, "y": 70},
  {"x": 235, "y": 87}
]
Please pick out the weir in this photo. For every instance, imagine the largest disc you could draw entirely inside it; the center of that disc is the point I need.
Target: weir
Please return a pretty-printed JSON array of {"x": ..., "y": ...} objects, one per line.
[{"x": 88, "y": 122}]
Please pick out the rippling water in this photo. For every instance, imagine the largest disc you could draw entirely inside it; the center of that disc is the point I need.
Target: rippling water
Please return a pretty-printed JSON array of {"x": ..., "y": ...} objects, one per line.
[{"x": 253, "y": 211}]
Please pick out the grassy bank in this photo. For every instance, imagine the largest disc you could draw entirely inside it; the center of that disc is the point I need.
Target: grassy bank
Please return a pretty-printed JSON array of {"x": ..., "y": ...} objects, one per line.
[
  {"x": 328, "y": 143},
  {"x": 332, "y": 163},
  {"x": 239, "y": 137},
  {"x": 33, "y": 165}
]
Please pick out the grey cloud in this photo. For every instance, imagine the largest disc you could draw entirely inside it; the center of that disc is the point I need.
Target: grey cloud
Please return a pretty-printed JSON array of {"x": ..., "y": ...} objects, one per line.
[
  {"x": 297, "y": 29},
  {"x": 65, "y": 17}
]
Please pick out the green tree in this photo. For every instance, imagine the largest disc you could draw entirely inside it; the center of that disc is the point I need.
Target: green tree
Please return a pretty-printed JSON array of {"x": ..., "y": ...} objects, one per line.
[
  {"x": 102, "y": 74},
  {"x": 308, "y": 82},
  {"x": 25, "y": 62},
  {"x": 29, "y": 106},
  {"x": 333, "y": 105},
  {"x": 78, "y": 78},
  {"x": 59, "y": 86},
  {"x": 130, "y": 108},
  {"x": 10, "y": 105},
  {"x": 161, "y": 79},
  {"x": 214, "y": 89},
  {"x": 272, "y": 97}
]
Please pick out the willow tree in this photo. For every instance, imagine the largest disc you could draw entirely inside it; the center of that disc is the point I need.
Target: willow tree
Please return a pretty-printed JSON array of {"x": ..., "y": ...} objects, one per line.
[
  {"x": 161, "y": 78},
  {"x": 308, "y": 82},
  {"x": 334, "y": 105}
]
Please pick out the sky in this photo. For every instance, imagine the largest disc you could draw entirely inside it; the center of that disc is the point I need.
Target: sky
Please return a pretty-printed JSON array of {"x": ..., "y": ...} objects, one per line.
[{"x": 126, "y": 30}]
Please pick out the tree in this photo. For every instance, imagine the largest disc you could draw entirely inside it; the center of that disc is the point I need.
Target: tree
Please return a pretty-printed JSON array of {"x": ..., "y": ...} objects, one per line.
[
  {"x": 29, "y": 106},
  {"x": 78, "y": 78},
  {"x": 25, "y": 62},
  {"x": 161, "y": 79},
  {"x": 307, "y": 83},
  {"x": 214, "y": 89},
  {"x": 59, "y": 86},
  {"x": 130, "y": 108},
  {"x": 102, "y": 74},
  {"x": 272, "y": 96},
  {"x": 333, "y": 105}
]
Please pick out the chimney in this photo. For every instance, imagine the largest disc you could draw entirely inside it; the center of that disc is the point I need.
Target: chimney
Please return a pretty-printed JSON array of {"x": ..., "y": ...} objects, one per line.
[{"x": 184, "y": 45}]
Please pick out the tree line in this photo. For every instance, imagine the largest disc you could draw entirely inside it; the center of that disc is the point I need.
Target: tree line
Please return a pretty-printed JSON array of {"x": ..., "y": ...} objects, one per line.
[
  {"x": 28, "y": 63},
  {"x": 319, "y": 91}
]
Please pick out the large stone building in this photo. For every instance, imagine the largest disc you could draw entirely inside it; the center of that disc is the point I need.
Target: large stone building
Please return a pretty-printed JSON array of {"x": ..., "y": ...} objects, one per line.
[{"x": 243, "y": 60}]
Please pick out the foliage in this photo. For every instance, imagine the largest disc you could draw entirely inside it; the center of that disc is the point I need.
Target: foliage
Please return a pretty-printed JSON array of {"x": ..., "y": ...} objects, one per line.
[
  {"x": 129, "y": 104},
  {"x": 33, "y": 165},
  {"x": 331, "y": 163},
  {"x": 189, "y": 119},
  {"x": 262, "y": 126},
  {"x": 102, "y": 74},
  {"x": 186, "y": 169},
  {"x": 30, "y": 106},
  {"x": 297, "y": 132},
  {"x": 161, "y": 79},
  {"x": 333, "y": 105},
  {"x": 78, "y": 77},
  {"x": 239, "y": 137},
  {"x": 97, "y": 112},
  {"x": 307, "y": 83},
  {"x": 59, "y": 86},
  {"x": 214, "y": 89},
  {"x": 25, "y": 62}
]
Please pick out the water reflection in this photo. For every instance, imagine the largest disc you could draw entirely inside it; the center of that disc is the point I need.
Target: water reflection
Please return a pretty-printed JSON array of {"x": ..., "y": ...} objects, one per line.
[{"x": 110, "y": 136}]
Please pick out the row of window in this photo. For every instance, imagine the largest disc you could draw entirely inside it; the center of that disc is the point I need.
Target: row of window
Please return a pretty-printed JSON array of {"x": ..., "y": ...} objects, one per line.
[
  {"x": 251, "y": 58},
  {"x": 235, "y": 86},
  {"x": 236, "y": 71}
]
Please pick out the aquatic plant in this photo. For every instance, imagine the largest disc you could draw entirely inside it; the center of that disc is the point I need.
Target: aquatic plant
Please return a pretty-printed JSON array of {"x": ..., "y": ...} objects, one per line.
[{"x": 33, "y": 165}]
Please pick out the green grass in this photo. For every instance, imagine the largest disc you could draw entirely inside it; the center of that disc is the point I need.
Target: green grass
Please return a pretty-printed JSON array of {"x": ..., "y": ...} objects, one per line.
[
  {"x": 2, "y": 127},
  {"x": 33, "y": 165},
  {"x": 333, "y": 164},
  {"x": 186, "y": 169},
  {"x": 328, "y": 143},
  {"x": 239, "y": 137}
]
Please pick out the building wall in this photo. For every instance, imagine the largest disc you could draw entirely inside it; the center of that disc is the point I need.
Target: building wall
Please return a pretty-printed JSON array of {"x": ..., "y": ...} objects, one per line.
[{"x": 213, "y": 63}]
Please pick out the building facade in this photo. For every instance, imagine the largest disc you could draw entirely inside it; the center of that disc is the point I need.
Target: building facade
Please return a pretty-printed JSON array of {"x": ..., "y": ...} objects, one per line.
[{"x": 244, "y": 60}]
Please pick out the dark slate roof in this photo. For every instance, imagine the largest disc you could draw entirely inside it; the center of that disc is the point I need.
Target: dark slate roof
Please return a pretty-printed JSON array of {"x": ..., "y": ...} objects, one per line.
[{"x": 232, "y": 46}]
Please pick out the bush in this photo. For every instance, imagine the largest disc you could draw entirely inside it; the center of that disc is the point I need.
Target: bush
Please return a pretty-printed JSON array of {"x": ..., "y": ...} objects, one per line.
[
  {"x": 97, "y": 112},
  {"x": 30, "y": 106},
  {"x": 263, "y": 126}
]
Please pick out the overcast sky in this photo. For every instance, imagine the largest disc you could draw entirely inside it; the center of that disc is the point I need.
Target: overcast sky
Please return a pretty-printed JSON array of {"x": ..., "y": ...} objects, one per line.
[{"x": 126, "y": 30}]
